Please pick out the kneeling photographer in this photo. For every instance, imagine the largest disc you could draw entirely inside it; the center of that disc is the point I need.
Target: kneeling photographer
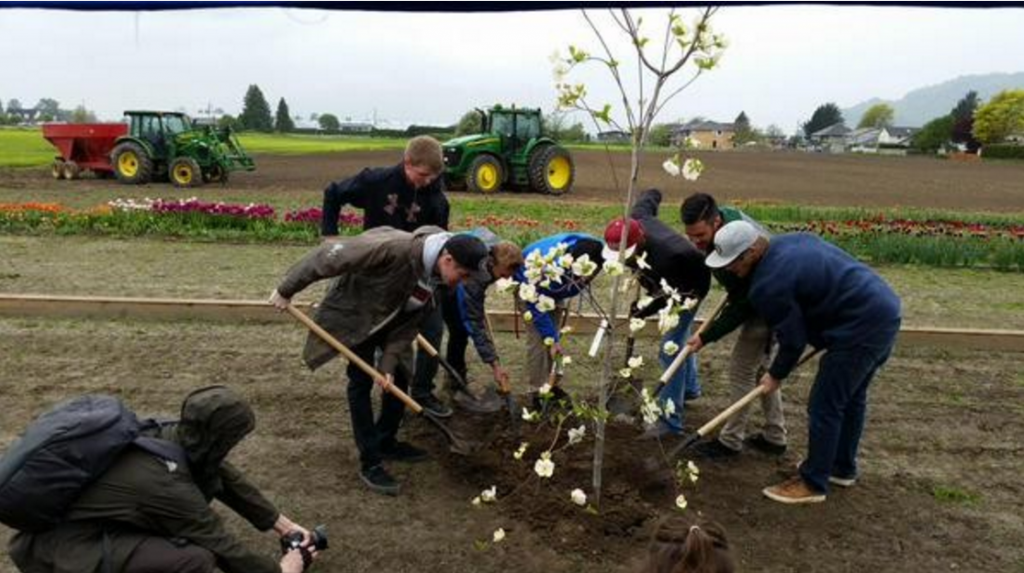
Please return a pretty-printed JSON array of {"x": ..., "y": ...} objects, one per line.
[{"x": 149, "y": 511}]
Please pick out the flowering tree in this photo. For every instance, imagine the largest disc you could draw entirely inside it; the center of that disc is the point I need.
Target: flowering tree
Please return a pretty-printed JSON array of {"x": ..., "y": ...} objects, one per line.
[
  {"x": 663, "y": 71},
  {"x": 687, "y": 50}
]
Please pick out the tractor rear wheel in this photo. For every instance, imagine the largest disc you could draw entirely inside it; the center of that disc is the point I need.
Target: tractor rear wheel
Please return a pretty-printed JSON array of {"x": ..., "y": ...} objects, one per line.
[
  {"x": 57, "y": 168},
  {"x": 185, "y": 172},
  {"x": 485, "y": 175},
  {"x": 132, "y": 165},
  {"x": 70, "y": 170},
  {"x": 551, "y": 170}
]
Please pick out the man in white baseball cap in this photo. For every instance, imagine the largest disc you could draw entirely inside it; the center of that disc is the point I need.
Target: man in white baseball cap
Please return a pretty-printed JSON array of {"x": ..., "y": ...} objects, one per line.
[{"x": 731, "y": 242}]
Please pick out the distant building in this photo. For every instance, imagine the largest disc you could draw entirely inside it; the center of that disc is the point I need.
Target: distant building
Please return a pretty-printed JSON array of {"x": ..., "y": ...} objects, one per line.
[
  {"x": 355, "y": 127},
  {"x": 614, "y": 136},
  {"x": 708, "y": 134},
  {"x": 886, "y": 140},
  {"x": 831, "y": 138}
]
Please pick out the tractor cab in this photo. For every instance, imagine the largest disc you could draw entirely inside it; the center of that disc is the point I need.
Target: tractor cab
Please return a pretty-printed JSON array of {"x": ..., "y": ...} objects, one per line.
[{"x": 158, "y": 128}]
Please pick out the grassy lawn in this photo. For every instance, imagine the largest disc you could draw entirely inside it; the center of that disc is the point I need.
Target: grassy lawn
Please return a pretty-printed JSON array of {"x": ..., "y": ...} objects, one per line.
[
  {"x": 302, "y": 144},
  {"x": 24, "y": 147}
]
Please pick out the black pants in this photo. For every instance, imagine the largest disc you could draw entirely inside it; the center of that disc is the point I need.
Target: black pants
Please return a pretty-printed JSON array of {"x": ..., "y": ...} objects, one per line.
[
  {"x": 458, "y": 337},
  {"x": 432, "y": 328},
  {"x": 373, "y": 434}
]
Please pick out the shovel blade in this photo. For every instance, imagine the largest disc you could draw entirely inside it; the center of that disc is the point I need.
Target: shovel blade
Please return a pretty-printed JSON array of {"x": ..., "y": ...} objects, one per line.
[
  {"x": 480, "y": 404},
  {"x": 456, "y": 444}
]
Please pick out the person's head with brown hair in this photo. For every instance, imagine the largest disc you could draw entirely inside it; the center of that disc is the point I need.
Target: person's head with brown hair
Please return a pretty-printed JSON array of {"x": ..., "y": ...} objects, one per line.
[
  {"x": 681, "y": 546},
  {"x": 508, "y": 258},
  {"x": 423, "y": 161}
]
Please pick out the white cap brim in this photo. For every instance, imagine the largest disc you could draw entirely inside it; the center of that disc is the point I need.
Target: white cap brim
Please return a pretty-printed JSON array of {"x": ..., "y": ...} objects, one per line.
[{"x": 716, "y": 261}]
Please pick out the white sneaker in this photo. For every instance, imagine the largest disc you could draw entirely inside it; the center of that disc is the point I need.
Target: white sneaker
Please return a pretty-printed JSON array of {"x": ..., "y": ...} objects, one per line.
[{"x": 842, "y": 482}]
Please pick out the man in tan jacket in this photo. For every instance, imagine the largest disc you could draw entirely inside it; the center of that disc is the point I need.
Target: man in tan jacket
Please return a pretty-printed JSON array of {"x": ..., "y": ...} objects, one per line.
[{"x": 383, "y": 287}]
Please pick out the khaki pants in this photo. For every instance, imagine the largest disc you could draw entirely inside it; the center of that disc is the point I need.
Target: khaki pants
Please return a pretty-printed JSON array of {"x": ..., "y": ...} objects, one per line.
[
  {"x": 538, "y": 356},
  {"x": 748, "y": 354}
]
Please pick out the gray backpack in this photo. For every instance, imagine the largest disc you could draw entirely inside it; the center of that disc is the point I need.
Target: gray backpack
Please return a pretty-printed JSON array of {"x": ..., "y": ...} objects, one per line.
[{"x": 62, "y": 452}]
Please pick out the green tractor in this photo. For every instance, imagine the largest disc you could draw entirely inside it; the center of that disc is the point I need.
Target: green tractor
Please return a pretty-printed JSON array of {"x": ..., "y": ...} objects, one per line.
[
  {"x": 511, "y": 150},
  {"x": 161, "y": 142}
]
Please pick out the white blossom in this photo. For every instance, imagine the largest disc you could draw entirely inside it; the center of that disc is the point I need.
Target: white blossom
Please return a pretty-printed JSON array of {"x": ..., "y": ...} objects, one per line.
[
  {"x": 583, "y": 267},
  {"x": 667, "y": 319},
  {"x": 669, "y": 408},
  {"x": 650, "y": 411},
  {"x": 692, "y": 168},
  {"x": 693, "y": 471},
  {"x": 636, "y": 325},
  {"x": 681, "y": 501},
  {"x": 545, "y": 303},
  {"x": 530, "y": 416},
  {"x": 518, "y": 454},
  {"x": 690, "y": 303},
  {"x": 490, "y": 494},
  {"x": 499, "y": 534},
  {"x": 635, "y": 362},
  {"x": 549, "y": 341},
  {"x": 614, "y": 268},
  {"x": 641, "y": 262},
  {"x": 544, "y": 467},
  {"x": 644, "y": 302},
  {"x": 527, "y": 316},
  {"x": 576, "y": 434},
  {"x": 505, "y": 285},
  {"x": 670, "y": 348},
  {"x": 625, "y": 372},
  {"x": 528, "y": 292},
  {"x": 544, "y": 390},
  {"x": 671, "y": 166},
  {"x": 566, "y": 360},
  {"x": 578, "y": 497},
  {"x": 476, "y": 500}
]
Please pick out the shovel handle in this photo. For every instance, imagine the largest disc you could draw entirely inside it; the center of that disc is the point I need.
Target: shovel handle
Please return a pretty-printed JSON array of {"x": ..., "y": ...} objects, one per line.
[
  {"x": 678, "y": 362},
  {"x": 746, "y": 399},
  {"x": 429, "y": 349},
  {"x": 354, "y": 358}
]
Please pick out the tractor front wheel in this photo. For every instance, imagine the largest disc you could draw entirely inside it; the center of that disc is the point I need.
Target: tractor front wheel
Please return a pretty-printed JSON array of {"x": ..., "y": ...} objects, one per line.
[
  {"x": 132, "y": 165},
  {"x": 485, "y": 175},
  {"x": 216, "y": 174},
  {"x": 185, "y": 172},
  {"x": 552, "y": 170}
]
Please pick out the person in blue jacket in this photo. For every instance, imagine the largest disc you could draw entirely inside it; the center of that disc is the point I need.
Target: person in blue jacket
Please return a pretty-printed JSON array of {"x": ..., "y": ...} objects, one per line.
[
  {"x": 812, "y": 293},
  {"x": 547, "y": 324}
]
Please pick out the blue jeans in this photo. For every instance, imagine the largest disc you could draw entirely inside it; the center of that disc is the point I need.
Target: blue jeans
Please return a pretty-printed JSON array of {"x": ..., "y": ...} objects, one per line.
[
  {"x": 837, "y": 408},
  {"x": 684, "y": 382}
]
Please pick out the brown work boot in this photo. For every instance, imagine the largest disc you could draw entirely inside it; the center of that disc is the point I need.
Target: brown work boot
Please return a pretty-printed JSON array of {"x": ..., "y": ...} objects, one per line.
[{"x": 793, "y": 491}]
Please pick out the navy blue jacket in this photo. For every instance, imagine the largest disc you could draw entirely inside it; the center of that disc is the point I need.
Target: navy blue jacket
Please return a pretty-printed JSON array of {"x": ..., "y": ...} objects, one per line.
[
  {"x": 568, "y": 288},
  {"x": 387, "y": 199},
  {"x": 812, "y": 292}
]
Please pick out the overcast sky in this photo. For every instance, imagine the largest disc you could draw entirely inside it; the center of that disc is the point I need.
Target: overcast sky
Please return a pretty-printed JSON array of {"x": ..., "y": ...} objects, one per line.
[{"x": 781, "y": 63}]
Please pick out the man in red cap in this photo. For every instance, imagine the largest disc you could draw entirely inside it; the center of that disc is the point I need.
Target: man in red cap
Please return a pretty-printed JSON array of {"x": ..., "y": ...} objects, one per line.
[{"x": 660, "y": 256}]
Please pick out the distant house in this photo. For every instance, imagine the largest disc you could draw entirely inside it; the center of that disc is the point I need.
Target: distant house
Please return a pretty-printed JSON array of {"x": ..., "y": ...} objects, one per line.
[
  {"x": 886, "y": 140},
  {"x": 614, "y": 136},
  {"x": 355, "y": 127},
  {"x": 831, "y": 138},
  {"x": 709, "y": 134}
]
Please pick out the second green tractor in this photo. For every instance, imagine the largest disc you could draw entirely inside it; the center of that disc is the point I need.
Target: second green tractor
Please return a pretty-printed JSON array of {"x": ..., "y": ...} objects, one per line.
[{"x": 510, "y": 151}]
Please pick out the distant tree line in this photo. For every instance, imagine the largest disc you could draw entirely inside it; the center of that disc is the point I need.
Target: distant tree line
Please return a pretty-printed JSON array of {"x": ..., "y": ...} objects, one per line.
[{"x": 46, "y": 110}]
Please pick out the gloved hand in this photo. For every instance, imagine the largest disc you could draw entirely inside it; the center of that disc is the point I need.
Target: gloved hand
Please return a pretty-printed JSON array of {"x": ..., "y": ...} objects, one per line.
[{"x": 279, "y": 302}]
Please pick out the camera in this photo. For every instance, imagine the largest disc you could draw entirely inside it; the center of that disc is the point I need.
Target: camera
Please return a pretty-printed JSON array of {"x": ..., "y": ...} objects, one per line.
[{"x": 293, "y": 540}]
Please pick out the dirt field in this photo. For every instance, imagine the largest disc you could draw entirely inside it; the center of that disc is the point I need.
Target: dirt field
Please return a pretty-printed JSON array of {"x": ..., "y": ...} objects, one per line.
[
  {"x": 942, "y": 456},
  {"x": 940, "y": 489},
  {"x": 786, "y": 177}
]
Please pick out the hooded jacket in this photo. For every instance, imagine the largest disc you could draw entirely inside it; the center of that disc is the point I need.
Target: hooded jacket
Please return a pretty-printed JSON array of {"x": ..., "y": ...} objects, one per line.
[{"x": 142, "y": 495}]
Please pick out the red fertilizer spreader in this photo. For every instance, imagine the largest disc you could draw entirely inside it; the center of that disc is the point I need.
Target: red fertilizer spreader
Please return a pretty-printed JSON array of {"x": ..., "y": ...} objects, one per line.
[{"x": 83, "y": 146}]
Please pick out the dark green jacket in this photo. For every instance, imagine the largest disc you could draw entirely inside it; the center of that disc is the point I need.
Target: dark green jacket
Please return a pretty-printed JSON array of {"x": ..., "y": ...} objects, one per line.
[
  {"x": 738, "y": 308},
  {"x": 142, "y": 496}
]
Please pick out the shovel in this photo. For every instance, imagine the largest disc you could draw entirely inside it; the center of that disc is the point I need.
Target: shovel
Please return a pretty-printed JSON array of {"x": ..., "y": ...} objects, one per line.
[
  {"x": 456, "y": 444},
  {"x": 687, "y": 349},
  {"x": 463, "y": 396},
  {"x": 718, "y": 420}
]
